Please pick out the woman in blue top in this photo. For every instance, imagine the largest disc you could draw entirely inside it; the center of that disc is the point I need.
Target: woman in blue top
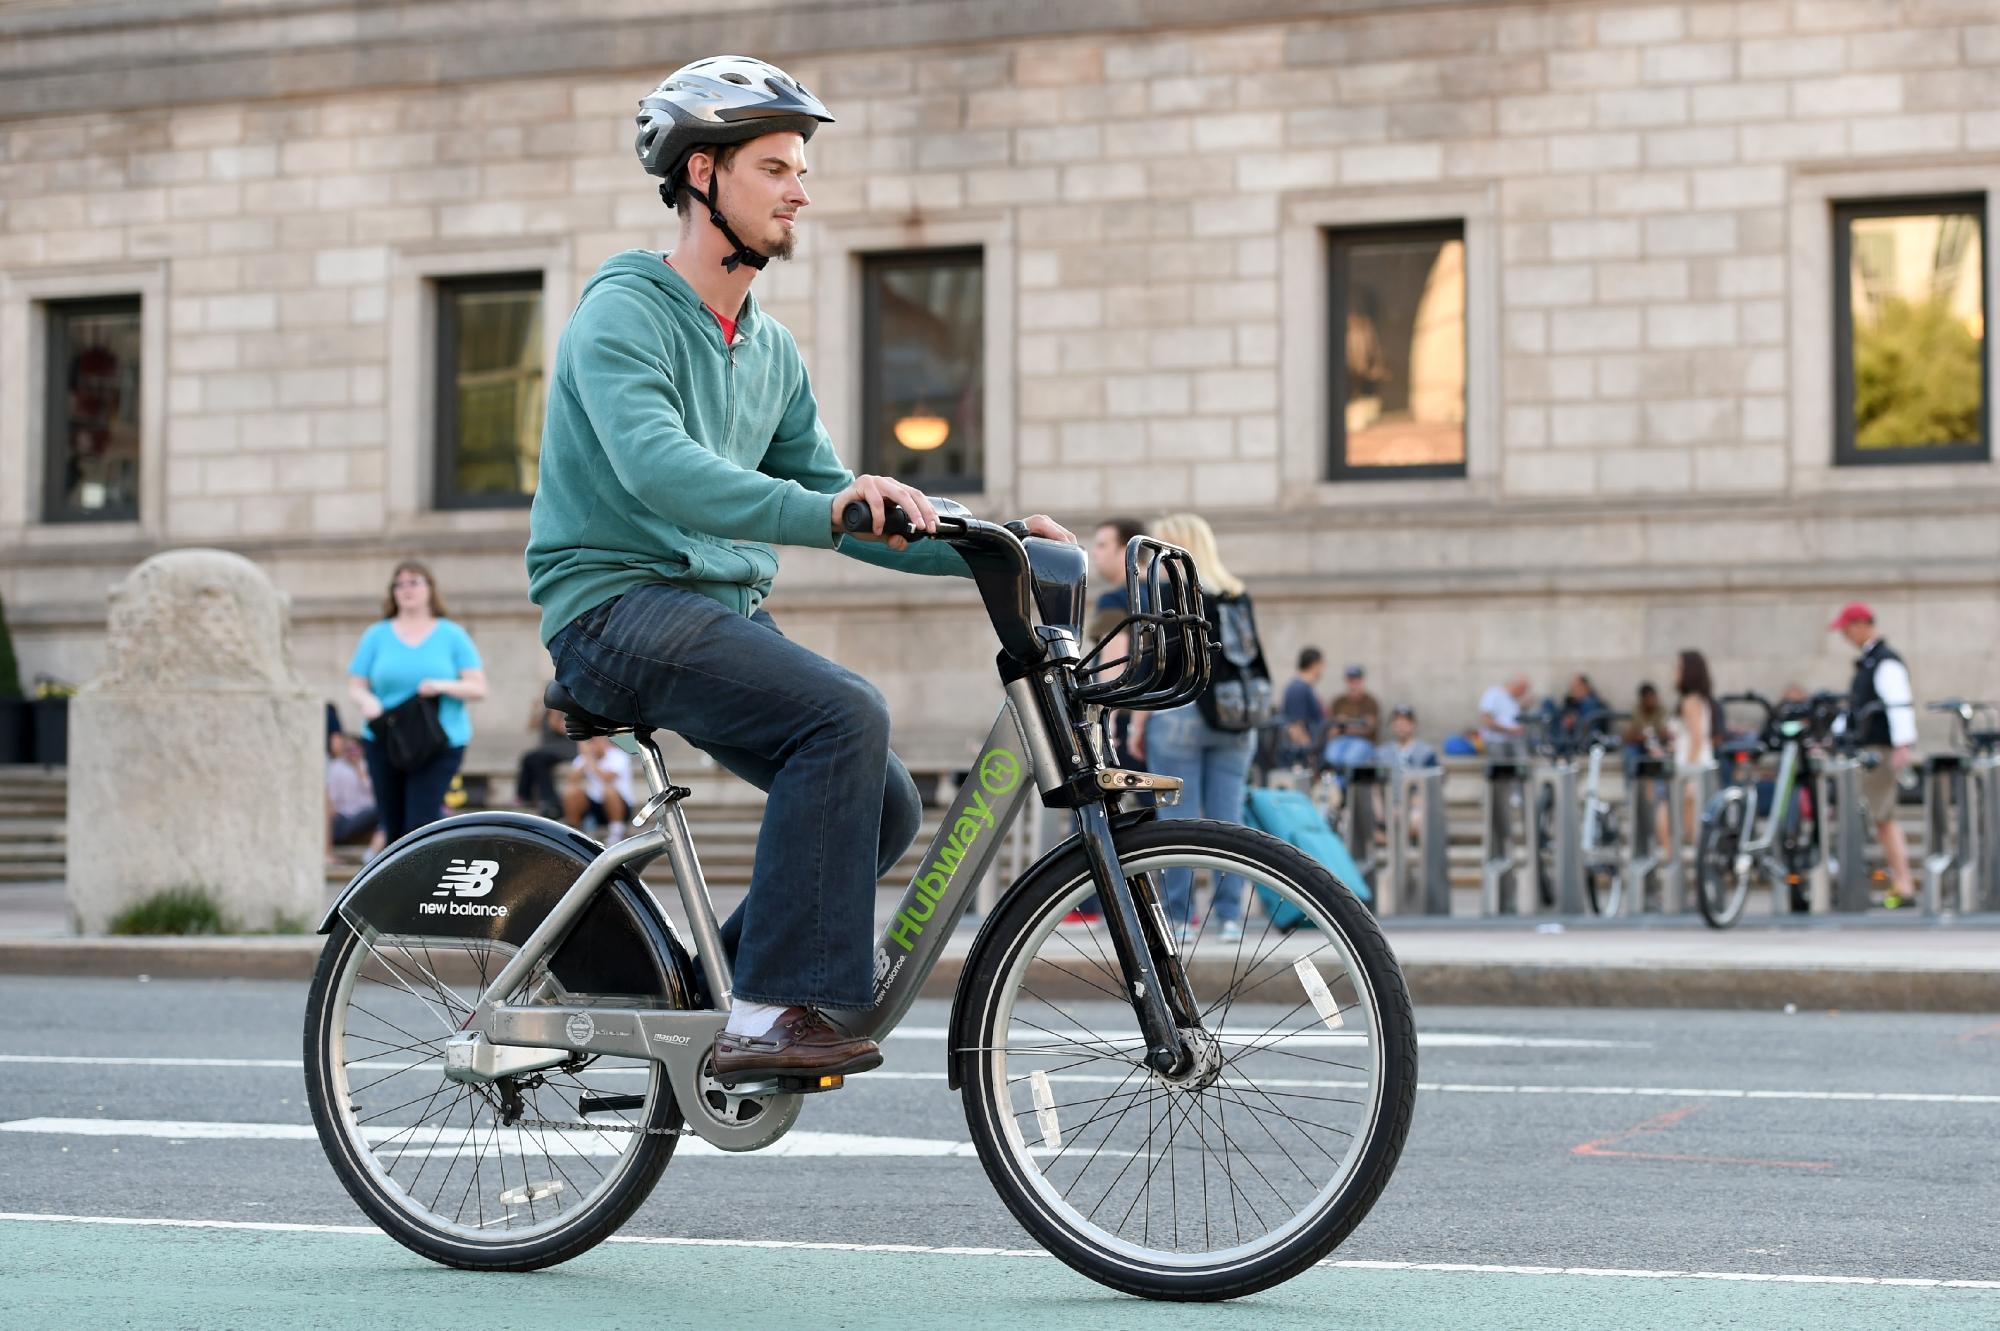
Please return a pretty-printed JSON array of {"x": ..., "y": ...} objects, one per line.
[{"x": 414, "y": 650}]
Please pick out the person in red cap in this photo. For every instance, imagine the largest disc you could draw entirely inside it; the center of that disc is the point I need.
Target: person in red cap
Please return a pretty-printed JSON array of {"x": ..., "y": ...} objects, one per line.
[{"x": 1891, "y": 730}]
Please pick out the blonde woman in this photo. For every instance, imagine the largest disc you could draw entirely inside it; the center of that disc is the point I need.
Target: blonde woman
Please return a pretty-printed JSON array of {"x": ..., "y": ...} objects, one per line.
[
  {"x": 1209, "y": 742},
  {"x": 414, "y": 651}
]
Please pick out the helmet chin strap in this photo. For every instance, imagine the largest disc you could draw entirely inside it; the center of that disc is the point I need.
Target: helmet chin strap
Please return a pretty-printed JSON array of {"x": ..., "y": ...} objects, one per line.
[{"x": 742, "y": 254}]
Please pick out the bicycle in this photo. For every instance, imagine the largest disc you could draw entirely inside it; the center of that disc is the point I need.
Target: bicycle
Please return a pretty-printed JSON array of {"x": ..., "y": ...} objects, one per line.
[
  {"x": 1600, "y": 839},
  {"x": 1731, "y": 849},
  {"x": 506, "y": 1036}
]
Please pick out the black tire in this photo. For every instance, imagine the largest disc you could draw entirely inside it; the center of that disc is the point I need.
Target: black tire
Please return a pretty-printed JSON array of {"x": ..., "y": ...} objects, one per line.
[
  {"x": 638, "y": 1170},
  {"x": 1026, "y": 919},
  {"x": 1545, "y": 847},
  {"x": 1799, "y": 848},
  {"x": 1721, "y": 885},
  {"x": 1604, "y": 880}
]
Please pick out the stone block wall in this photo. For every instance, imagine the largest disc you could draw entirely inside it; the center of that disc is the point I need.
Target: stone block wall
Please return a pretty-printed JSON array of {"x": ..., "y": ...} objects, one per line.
[{"x": 1645, "y": 189}]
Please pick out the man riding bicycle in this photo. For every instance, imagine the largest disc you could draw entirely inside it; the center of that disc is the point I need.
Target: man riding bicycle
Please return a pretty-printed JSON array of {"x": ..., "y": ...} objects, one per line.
[{"x": 682, "y": 442}]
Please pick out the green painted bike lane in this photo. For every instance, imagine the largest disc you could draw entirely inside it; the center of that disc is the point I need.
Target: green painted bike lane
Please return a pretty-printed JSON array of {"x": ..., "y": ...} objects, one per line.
[{"x": 70, "y": 1275}]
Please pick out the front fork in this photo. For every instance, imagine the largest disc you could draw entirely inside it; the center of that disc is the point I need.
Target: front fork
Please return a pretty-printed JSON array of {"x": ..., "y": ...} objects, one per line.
[{"x": 1157, "y": 983}]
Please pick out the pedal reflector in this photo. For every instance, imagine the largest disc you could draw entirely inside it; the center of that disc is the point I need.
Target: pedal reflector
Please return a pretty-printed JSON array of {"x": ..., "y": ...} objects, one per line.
[
  {"x": 1045, "y": 1108},
  {"x": 1316, "y": 990},
  {"x": 832, "y": 1083}
]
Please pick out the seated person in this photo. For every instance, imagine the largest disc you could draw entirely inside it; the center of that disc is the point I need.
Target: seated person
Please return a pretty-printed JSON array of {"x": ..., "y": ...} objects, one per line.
[
  {"x": 1351, "y": 723},
  {"x": 350, "y": 802},
  {"x": 535, "y": 782},
  {"x": 1404, "y": 749},
  {"x": 1405, "y": 752},
  {"x": 599, "y": 786}
]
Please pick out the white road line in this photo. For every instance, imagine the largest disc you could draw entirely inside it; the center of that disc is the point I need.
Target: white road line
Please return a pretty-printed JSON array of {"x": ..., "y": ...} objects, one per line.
[
  {"x": 1430, "y": 1040},
  {"x": 111, "y": 1061},
  {"x": 1438, "y": 1087},
  {"x": 1427, "y": 1039},
  {"x": 430, "y": 1141},
  {"x": 1464, "y": 1268}
]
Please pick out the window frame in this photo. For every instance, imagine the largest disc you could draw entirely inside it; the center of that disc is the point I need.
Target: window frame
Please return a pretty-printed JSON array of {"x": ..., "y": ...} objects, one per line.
[
  {"x": 1846, "y": 453},
  {"x": 872, "y": 459},
  {"x": 1339, "y": 241},
  {"x": 445, "y": 495},
  {"x": 55, "y": 313}
]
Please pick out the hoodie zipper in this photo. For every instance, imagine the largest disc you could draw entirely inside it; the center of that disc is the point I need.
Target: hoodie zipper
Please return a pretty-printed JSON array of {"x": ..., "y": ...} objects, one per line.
[{"x": 729, "y": 390}]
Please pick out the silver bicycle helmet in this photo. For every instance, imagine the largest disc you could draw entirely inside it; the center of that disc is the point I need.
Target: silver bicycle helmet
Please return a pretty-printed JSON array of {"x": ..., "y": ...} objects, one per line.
[{"x": 720, "y": 100}]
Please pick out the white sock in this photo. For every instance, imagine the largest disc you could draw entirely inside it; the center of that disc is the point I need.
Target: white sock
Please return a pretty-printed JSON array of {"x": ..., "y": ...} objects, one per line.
[
  {"x": 753, "y": 1019},
  {"x": 614, "y": 834}
]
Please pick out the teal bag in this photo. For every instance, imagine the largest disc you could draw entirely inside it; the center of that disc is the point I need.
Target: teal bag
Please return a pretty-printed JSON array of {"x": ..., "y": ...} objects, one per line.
[{"x": 1293, "y": 818}]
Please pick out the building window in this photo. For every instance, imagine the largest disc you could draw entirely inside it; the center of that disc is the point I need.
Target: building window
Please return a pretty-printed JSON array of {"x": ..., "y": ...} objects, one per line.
[
  {"x": 92, "y": 464},
  {"x": 1398, "y": 352},
  {"x": 489, "y": 390},
  {"x": 1910, "y": 331},
  {"x": 924, "y": 352}
]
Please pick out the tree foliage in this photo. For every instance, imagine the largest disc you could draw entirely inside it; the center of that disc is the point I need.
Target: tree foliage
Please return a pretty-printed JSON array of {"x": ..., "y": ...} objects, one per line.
[{"x": 1917, "y": 377}]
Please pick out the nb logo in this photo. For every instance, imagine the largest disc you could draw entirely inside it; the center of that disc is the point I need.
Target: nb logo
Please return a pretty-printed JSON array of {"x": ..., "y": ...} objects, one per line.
[{"x": 468, "y": 878}]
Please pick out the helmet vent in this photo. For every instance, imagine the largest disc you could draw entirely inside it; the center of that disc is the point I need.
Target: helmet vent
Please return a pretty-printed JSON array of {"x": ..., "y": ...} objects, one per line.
[{"x": 734, "y": 77}]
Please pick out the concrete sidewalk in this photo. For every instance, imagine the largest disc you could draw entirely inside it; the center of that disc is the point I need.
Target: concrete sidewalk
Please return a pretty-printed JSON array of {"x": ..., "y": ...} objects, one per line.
[{"x": 1876, "y": 962}]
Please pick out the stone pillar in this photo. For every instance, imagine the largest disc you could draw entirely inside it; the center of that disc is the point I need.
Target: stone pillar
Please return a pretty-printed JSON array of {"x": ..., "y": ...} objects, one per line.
[{"x": 197, "y": 758}]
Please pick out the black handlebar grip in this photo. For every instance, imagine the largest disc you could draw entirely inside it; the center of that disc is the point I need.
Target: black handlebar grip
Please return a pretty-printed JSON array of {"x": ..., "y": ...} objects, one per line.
[{"x": 856, "y": 518}]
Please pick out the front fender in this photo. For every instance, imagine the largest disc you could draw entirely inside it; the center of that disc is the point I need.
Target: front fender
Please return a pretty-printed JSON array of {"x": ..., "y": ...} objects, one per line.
[
  {"x": 495, "y": 876},
  {"x": 960, "y": 1036}
]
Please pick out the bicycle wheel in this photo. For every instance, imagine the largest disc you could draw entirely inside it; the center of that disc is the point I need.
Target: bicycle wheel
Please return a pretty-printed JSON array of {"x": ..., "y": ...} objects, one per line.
[
  {"x": 470, "y": 1175},
  {"x": 1259, "y": 1160},
  {"x": 1722, "y": 873},
  {"x": 1603, "y": 878},
  {"x": 1545, "y": 847}
]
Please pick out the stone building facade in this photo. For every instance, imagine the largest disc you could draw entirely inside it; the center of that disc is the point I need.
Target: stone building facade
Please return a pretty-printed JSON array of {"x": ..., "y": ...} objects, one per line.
[{"x": 1646, "y": 194}]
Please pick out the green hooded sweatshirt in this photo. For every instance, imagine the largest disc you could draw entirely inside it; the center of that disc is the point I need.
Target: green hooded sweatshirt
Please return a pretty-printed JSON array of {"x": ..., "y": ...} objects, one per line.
[{"x": 669, "y": 457}]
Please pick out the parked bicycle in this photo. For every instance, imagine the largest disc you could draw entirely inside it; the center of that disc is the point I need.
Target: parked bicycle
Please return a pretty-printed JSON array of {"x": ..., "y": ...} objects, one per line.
[
  {"x": 506, "y": 1037},
  {"x": 1600, "y": 837},
  {"x": 1734, "y": 848}
]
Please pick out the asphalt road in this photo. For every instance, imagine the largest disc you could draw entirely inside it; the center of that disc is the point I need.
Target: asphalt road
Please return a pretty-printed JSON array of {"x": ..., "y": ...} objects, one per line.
[{"x": 1671, "y": 1147}]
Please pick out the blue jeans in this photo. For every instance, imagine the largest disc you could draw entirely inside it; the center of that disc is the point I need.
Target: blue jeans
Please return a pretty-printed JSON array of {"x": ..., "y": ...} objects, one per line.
[
  {"x": 1344, "y": 751},
  {"x": 1213, "y": 766},
  {"x": 813, "y": 735},
  {"x": 413, "y": 799}
]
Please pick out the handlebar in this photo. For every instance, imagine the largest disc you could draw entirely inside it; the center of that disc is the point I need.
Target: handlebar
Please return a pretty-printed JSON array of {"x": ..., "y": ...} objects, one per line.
[{"x": 1168, "y": 662}]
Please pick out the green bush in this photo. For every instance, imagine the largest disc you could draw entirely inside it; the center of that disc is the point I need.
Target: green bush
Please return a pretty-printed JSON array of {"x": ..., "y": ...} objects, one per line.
[
  {"x": 10, "y": 669},
  {"x": 178, "y": 910}
]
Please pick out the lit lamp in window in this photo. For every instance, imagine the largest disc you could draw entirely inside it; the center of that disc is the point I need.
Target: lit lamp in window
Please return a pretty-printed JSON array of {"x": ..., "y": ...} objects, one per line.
[{"x": 920, "y": 431}]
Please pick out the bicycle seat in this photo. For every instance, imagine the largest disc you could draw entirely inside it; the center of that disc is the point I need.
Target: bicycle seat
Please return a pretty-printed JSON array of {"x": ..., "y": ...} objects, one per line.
[{"x": 579, "y": 722}]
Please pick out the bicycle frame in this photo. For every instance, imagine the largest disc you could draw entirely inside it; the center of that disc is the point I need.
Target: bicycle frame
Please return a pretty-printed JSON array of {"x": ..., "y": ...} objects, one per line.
[
  {"x": 1791, "y": 761},
  {"x": 679, "y": 1039}
]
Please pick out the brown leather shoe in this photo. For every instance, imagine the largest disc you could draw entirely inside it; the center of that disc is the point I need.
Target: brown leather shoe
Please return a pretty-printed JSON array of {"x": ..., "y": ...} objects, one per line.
[{"x": 802, "y": 1043}]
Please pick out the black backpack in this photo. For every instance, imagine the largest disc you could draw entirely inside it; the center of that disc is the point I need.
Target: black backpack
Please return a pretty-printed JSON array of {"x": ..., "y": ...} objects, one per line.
[{"x": 1239, "y": 695}]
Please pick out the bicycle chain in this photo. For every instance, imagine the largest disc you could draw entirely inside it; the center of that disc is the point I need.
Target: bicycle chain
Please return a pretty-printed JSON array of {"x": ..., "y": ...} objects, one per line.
[{"x": 602, "y": 1127}]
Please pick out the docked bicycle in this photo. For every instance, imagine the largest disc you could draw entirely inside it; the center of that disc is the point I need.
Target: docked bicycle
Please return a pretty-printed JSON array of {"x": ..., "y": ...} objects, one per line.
[
  {"x": 1734, "y": 849},
  {"x": 507, "y": 1037}
]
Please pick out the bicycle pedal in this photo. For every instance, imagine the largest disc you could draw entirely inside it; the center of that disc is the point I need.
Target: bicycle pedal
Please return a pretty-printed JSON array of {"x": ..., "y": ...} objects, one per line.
[
  {"x": 811, "y": 1085},
  {"x": 599, "y": 1104}
]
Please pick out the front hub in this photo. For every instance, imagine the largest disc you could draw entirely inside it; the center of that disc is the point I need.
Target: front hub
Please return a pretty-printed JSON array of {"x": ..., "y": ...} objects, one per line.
[{"x": 1204, "y": 1063}]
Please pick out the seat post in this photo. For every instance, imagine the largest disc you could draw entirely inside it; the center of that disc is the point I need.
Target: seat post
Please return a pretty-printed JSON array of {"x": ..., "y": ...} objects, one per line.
[{"x": 649, "y": 758}]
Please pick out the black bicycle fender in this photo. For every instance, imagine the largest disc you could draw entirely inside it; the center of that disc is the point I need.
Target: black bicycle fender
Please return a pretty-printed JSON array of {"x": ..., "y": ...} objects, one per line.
[
  {"x": 496, "y": 876},
  {"x": 961, "y": 1019}
]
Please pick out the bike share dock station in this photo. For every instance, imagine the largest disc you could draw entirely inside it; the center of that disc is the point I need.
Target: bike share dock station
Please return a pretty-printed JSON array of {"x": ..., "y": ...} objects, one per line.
[
  {"x": 1393, "y": 823},
  {"x": 1960, "y": 869}
]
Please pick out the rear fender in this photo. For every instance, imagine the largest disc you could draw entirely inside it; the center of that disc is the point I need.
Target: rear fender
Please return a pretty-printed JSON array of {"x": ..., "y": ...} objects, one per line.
[{"x": 495, "y": 876}]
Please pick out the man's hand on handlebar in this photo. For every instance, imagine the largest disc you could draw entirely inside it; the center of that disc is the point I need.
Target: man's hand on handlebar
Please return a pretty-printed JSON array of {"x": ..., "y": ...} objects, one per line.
[
  {"x": 1041, "y": 524},
  {"x": 875, "y": 491}
]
